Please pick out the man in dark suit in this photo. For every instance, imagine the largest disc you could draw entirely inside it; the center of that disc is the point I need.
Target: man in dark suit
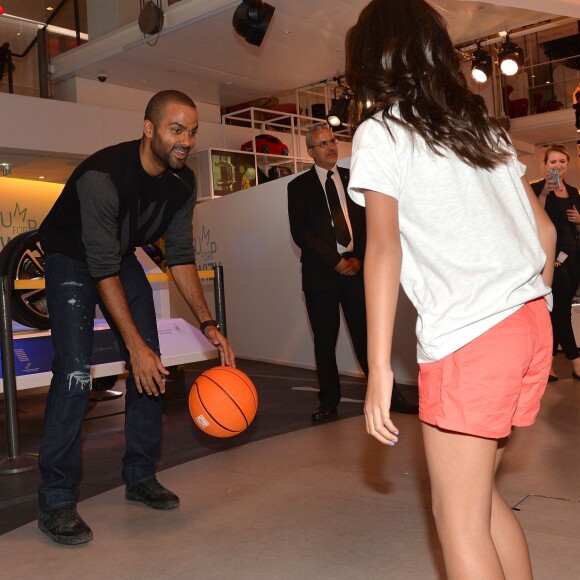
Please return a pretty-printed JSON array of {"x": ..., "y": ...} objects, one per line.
[{"x": 330, "y": 230}]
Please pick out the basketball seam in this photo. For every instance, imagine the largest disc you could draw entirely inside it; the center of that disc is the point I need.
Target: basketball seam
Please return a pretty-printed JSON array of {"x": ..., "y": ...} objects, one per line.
[
  {"x": 231, "y": 399},
  {"x": 211, "y": 416},
  {"x": 251, "y": 387}
]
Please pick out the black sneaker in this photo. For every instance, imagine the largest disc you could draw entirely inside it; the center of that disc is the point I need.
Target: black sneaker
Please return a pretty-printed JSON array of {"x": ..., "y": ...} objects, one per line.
[
  {"x": 64, "y": 526},
  {"x": 153, "y": 494}
]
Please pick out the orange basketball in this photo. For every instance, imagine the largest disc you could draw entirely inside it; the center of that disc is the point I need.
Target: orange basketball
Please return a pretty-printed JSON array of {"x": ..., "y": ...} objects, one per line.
[{"x": 223, "y": 401}]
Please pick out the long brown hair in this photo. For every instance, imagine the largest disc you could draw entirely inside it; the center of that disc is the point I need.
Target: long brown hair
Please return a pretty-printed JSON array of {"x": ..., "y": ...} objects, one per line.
[{"x": 400, "y": 53}]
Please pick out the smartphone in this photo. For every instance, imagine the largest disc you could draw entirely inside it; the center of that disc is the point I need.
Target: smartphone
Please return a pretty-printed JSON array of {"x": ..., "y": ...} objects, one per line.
[{"x": 555, "y": 175}]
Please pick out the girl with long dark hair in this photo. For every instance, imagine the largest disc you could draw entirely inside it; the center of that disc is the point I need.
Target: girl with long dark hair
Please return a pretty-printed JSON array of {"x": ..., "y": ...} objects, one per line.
[{"x": 451, "y": 217}]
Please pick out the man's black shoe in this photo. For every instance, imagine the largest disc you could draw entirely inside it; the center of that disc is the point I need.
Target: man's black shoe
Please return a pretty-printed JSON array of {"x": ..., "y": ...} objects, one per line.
[
  {"x": 324, "y": 413},
  {"x": 64, "y": 526},
  {"x": 152, "y": 494}
]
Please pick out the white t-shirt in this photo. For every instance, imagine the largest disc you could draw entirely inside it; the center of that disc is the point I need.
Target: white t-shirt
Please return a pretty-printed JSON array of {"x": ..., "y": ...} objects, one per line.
[{"x": 471, "y": 253}]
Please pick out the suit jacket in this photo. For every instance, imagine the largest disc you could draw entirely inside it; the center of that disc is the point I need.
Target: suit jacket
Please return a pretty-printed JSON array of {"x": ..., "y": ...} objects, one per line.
[{"x": 312, "y": 230}]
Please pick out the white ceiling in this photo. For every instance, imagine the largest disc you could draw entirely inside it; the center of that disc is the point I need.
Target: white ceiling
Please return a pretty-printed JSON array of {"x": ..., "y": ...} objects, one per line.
[{"x": 199, "y": 52}]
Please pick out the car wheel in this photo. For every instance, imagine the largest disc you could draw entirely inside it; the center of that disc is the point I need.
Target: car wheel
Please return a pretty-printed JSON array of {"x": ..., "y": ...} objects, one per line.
[
  {"x": 284, "y": 151},
  {"x": 23, "y": 259},
  {"x": 265, "y": 149}
]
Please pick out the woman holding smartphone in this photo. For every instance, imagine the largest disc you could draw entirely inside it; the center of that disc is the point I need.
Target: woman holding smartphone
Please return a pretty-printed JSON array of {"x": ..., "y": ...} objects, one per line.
[{"x": 562, "y": 203}]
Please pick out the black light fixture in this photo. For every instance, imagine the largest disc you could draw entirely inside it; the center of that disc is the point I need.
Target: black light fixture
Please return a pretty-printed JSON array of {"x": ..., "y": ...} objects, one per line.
[
  {"x": 251, "y": 20},
  {"x": 338, "y": 114},
  {"x": 339, "y": 108},
  {"x": 510, "y": 57},
  {"x": 481, "y": 65},
  {"x": 151, "y": 17}
]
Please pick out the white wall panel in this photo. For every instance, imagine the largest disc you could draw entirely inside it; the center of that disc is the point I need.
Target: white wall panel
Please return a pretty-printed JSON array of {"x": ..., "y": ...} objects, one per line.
[{"x": 248, "y": 233}]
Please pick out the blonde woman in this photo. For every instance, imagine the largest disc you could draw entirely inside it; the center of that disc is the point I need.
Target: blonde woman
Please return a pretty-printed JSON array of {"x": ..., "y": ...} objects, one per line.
[{"x": 562, "y": 204}]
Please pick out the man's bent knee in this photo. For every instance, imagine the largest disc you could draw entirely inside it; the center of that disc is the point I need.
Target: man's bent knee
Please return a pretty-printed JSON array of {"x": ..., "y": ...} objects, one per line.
[
  {"x": 79, "y": 380},
  {"x": 74, "y": 374}
]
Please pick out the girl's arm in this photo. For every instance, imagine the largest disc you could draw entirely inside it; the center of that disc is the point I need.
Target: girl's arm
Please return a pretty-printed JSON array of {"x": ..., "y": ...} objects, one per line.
[
  {"x": 382, "y": 272},
  {"x": 546, "y": 233}
]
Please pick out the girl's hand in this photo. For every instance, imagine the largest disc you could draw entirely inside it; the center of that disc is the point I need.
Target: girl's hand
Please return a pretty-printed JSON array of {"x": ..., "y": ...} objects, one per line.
[{"x": 377, "y": 407}]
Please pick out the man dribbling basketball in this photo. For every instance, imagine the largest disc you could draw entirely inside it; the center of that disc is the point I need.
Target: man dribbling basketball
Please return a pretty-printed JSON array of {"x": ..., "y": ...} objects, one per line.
[{"x": 121, "y": 197}]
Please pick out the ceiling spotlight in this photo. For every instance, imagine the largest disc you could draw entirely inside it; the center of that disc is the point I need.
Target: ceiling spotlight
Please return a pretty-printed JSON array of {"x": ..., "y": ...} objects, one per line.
[
  {"x": 481, "y": 65},
  {"x": 151, "y": 18},
  {"x": 251, "y": 20},
  {"x": 338, "y": 113},
  {"x": 510, "y": 57}
]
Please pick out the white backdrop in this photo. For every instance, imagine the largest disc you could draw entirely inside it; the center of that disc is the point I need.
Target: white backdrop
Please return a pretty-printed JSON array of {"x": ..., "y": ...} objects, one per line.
[{"x": 248, "y": 233}]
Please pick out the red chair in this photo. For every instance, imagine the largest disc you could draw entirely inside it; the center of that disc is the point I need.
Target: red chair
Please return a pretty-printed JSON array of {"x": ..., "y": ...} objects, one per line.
[
  {"x": 516, "y": 107},
  {"x": 541, "y": 107}
]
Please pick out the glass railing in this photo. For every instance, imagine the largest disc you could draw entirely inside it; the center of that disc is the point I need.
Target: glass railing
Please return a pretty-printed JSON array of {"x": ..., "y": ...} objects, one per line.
[
  {"x": 21, "y": 71},
  {"x": 542, "y": 88}
]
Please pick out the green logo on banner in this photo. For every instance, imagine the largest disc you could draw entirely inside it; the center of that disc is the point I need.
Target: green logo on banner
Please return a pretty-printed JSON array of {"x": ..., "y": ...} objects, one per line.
[
  {"x": 205, "y": 250},
  {"x": 13, "y": 223}
]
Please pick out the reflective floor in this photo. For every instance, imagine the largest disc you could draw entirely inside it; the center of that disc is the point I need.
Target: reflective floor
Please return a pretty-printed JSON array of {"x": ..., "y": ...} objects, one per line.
[{"x": 290, "y": 500}]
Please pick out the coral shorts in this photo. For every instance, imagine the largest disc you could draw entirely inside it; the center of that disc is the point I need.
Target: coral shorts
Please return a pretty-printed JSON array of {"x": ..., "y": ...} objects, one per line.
[{"x": 494, "y": 382}]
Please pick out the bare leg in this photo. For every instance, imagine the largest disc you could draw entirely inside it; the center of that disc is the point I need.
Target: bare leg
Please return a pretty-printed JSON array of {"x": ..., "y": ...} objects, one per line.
[
  {"x": 461, "y": 469},
  {"x": 507, "y": 533}
]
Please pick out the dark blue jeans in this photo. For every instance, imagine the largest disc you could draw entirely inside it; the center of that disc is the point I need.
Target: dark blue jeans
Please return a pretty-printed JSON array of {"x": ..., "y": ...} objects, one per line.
[{"x": 72, "y": 296}]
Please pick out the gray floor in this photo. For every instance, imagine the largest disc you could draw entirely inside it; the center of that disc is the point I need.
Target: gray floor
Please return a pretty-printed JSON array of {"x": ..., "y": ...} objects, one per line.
[{"x": 323, "y": 502}]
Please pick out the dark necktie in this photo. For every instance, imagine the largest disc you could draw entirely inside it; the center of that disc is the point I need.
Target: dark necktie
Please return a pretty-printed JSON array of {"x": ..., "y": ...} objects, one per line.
[{"x": 340, "y": 227}]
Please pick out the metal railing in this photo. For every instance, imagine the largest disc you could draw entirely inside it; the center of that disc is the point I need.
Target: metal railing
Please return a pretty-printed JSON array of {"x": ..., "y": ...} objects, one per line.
[{"x": 40, "y": 32}]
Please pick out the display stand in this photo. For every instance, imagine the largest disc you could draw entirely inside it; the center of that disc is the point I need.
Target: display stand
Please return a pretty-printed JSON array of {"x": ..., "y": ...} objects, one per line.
[{"x": 180, "y": 343}]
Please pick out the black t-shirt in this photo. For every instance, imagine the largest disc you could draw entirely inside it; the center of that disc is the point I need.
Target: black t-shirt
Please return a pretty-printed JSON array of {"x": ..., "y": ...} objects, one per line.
[{"x": 110, "y": 205}]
